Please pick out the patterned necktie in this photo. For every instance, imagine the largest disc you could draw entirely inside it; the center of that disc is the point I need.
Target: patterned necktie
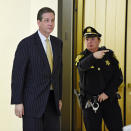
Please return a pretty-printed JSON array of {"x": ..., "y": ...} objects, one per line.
[{"x": 49, "y": 54}]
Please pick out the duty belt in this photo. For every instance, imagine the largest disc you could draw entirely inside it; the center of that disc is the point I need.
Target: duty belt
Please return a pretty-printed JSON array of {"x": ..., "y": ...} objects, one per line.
[{"x": 93, "y": 103}]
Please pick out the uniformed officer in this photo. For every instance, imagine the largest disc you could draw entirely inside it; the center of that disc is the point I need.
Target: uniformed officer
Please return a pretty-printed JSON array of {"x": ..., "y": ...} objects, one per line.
[{"x": 100, "y": 77}]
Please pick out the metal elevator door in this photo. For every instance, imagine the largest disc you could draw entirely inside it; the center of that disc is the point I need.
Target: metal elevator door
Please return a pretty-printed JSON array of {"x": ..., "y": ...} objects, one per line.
[{"x": 128, "y": 67}]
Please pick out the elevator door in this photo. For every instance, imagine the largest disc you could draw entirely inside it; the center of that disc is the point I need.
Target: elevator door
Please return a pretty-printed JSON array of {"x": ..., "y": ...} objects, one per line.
[{"x": 128, "y": 69}]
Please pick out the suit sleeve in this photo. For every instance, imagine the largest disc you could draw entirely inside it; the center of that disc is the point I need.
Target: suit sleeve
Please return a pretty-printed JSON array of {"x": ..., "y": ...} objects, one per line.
[
  {"x": 86, "y": 62},
  {"x": 60, "y": 74},
  {"x": 116, "y": 80},
  {"x": 18, "y": 73}
]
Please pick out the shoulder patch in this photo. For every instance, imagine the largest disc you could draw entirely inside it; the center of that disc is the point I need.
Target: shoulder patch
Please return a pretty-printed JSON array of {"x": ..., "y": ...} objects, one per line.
[{"x": 78, "y": 59}]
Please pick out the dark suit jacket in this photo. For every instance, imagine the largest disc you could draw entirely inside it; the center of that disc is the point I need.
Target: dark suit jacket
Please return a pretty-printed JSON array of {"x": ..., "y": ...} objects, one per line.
[{"x": 32, "y": 77}]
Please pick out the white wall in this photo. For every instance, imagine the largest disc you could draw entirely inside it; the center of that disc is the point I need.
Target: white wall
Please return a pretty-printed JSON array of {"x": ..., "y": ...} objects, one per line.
[{"x": 17, "y": 20}]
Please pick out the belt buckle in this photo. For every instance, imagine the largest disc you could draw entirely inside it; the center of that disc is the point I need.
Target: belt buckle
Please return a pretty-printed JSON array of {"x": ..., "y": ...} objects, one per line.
[{"x": 95, "y": 106}]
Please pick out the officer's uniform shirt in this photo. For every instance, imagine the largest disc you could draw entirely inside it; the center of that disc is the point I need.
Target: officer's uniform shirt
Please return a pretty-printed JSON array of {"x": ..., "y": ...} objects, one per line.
[{"x": 98, "y": 75}]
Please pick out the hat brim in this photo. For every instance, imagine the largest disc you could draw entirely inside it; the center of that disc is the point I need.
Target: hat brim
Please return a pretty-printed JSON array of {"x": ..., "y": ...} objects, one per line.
[{"x": 92, "y": 35}]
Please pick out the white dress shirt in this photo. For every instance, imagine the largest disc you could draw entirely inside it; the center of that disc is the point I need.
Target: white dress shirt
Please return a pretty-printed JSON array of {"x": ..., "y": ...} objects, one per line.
[{"x": 43, "y": 40}]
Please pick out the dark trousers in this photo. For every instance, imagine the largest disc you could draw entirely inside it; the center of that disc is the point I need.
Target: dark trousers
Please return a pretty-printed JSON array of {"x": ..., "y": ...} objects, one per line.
[
  {"x": 50, "y": 121},
  {"x": 111, "y": 113}
]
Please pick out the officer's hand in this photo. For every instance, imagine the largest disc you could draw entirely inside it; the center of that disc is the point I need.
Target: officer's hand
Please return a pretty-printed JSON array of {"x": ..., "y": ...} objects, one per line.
[
  {"x": 19, "y": 110},
  {"x": 100, "y": 54},
  {"x": 60, "y": 104},
  {"x": 102, "y": 97}
]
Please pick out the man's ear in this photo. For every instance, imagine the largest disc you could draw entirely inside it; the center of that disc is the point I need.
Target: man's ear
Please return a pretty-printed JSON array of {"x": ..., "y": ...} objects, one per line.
[{"x": 38, "y": 22}]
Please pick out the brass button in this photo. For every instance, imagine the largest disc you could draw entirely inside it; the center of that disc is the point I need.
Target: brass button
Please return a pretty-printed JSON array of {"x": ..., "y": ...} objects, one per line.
[{"x": 99, "y": 68}]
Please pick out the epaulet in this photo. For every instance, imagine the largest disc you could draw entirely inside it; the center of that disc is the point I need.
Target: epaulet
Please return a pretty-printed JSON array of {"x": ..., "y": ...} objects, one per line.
[
  {"x": 111, "y": 53},
  {"x": 115, "y": 56},
  {"x": 80, "y": 56}
]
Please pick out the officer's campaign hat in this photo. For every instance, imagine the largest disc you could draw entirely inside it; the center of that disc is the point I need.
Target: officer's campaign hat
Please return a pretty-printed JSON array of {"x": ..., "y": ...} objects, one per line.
[{"x": 91, "y": 32}]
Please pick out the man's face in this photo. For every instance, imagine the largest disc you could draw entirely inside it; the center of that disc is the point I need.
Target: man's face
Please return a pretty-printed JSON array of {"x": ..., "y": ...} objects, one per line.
[
  {"x": 92, "y": 44},
  {"x": 46, "y": 25}
]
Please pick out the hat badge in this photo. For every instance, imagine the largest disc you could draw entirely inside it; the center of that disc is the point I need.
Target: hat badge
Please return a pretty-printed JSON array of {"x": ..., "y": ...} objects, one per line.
[{"x": 88, "y": 30}]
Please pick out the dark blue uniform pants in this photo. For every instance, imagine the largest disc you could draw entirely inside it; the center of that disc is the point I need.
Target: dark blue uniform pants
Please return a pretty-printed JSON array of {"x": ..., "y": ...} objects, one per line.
[
  {"x": 49, "y": 122},
  {"x": 111, "y": 113}
]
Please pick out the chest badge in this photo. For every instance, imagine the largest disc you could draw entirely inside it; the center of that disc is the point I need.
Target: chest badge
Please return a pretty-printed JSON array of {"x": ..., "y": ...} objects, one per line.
[{"x": 107, "y": 62}]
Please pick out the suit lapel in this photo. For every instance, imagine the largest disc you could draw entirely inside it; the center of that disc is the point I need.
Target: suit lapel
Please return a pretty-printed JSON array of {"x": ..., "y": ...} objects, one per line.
[{"x": 42, "y": 52}]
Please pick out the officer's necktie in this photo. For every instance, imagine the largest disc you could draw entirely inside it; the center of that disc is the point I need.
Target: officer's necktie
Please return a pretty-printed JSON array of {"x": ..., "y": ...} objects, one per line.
[{"x": 49, "y": 54}]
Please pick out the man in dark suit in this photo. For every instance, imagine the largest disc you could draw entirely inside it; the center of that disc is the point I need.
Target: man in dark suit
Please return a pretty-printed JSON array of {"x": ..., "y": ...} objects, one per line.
[{"x": 37, "y": 77}]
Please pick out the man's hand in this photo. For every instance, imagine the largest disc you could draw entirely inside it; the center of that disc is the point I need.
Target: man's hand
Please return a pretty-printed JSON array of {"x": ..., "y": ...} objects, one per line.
[
  {"x": 19, "y": 110},
  {"x": 60, "y": 104},
  {"x": 100, "y": 54},
  {"x": 102, "y": 97}
]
